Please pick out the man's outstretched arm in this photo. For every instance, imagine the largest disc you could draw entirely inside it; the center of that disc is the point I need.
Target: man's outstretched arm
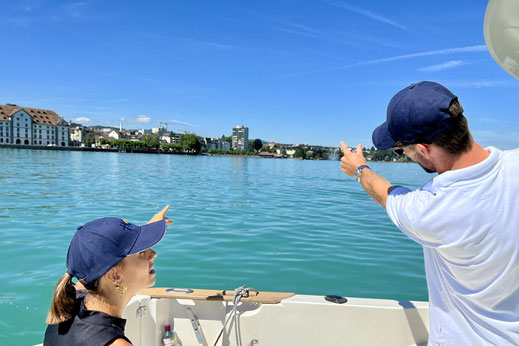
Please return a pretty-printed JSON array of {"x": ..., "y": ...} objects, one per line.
[{"x": 376, "y": 186}]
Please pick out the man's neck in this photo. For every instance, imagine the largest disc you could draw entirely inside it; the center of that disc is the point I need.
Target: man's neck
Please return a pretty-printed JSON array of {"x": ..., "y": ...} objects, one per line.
[{"x": 472, "y": 157}]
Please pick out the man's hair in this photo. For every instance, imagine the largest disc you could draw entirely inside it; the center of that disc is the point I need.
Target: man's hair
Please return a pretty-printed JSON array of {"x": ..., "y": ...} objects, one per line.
[{"x": 457, "y": 139}]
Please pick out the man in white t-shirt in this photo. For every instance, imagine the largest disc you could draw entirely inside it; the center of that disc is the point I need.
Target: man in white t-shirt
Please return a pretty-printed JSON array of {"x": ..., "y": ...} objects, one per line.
[{"x": 466, "y": 218}]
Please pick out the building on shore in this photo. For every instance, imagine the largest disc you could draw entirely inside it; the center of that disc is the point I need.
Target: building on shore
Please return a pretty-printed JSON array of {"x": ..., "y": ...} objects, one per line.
[
  {"x": 32, "y": 126},
  {"x": 77, "y": 134},
  {"x": 119, "y": 134},
  {"x": 159, "y": 130},
  {"x": 226, "y": 146},
  {"x": 240, "y": 137},
  {"x": 166, "y": 138},
  {"x": 175, "y": 137},
  {"x": 209, "y": 143}
]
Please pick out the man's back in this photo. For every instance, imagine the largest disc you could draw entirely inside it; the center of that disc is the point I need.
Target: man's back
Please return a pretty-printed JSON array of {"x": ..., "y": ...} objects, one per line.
[{"x": 468, "y": 222}]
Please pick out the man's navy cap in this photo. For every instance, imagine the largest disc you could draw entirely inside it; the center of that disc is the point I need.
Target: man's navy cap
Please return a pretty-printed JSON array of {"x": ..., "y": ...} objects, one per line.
[
  {"x": 416, "y": 114},
  {"x": 100, "y": 244}
]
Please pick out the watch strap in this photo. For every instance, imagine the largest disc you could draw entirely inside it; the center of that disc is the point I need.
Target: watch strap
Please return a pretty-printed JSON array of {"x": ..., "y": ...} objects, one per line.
[{"x": 358, "y": 170}]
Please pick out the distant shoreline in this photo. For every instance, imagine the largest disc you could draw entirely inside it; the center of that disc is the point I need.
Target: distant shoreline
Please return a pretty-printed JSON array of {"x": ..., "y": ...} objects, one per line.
[
  {"x": 140, "y": 151},
  {"x": 255, "y": 156},
  {"x": 129, "y": 151}
]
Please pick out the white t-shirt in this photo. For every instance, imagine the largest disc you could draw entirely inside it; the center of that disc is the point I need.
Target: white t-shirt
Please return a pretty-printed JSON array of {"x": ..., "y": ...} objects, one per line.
[{"x": 468, "y": 223}]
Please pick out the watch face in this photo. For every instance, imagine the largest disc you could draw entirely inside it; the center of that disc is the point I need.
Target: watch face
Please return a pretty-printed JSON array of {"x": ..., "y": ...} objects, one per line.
[{"x": 357, "y": 172}]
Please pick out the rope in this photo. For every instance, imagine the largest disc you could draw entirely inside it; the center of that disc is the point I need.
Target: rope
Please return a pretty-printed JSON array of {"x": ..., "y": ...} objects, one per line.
[{"x": 239, "y": 293}]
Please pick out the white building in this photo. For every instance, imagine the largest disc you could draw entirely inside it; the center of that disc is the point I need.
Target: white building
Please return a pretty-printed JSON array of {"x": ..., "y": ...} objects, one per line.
[
  {"x": 290, "y": 152},
  {"x": 118, "y": 134},
  {"x": 240, "y": 137},
  {"x": 77, "y": 134},
  {"x": 32, "y": 126},
  {"x": 165, "y": 138},
  {"x": 114, "y": 134},
  {"x": 159, "y": 130}
]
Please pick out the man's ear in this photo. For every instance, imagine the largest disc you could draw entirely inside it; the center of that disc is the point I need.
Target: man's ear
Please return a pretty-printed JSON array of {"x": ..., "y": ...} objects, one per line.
[{"x": 424, "y": 149}]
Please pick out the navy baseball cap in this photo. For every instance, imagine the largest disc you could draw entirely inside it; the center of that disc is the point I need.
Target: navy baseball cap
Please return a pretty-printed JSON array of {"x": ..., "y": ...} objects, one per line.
[
  {"x": 416, "y": 114},
  {"x": 99, "y": 245}
]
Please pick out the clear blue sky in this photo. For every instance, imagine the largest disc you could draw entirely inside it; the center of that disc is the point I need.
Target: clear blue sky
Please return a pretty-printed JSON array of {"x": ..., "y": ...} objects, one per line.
[{"x": 293, "y": 71}]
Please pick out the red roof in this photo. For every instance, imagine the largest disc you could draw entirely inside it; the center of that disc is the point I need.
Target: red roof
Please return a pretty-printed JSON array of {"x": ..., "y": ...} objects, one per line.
[{"x": 39, "y": 116}]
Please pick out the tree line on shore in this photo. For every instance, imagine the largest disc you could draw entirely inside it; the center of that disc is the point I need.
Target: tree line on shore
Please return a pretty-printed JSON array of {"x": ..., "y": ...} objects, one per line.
[
  {"x": 189, "y": 143},
  {"x": 388, "y": 155}
]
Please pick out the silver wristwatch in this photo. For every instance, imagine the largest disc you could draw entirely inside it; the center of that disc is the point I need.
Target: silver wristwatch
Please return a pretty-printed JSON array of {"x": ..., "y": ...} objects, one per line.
[{"x": 357, "y": 172}]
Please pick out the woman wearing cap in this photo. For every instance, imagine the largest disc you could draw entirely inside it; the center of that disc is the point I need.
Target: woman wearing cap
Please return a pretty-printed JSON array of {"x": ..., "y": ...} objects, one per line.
[{"x": 113, "y": 260}]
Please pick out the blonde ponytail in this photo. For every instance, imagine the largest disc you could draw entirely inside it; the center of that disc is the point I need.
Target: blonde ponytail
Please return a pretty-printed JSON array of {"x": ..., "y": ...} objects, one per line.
[{"x": 63, "y": 301}]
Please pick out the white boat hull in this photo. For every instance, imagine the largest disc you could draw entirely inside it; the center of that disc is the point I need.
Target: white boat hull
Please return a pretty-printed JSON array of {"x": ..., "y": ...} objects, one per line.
[{"x": 299, "y": 320}]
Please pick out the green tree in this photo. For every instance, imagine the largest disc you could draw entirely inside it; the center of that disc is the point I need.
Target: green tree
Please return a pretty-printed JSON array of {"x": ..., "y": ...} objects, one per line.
[
  {"x": 320, "y": 154},
  {"x": 176, "y": 148},
  {"x": 103, "y": 141},
  {"x": 265, "y": 148},
  {"x": 89, "y": 140},
  {"x": 257, "y": 144},
  {"x": 190, "y": 142},
  {"x": 300, "y": 152},
  {"x": 151, "y": 140},
  {"x": 140, "y": 145},
  {"x": 121, "y": 143},
  {"x": 226, "y": 138},
  {"x": 385, "y": 155}
]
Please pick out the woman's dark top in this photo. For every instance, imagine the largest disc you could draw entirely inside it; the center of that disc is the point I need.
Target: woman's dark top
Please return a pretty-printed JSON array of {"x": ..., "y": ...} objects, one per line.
[{"x": 85, "y": 327}]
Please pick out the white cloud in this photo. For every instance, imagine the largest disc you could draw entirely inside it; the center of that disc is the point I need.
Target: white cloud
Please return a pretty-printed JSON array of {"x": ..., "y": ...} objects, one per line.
[
  {"x": 81, "y": 120},
  {"x": 481, "y": 84},
  {"x": 296, "y": 28},
  {"x": 469, "y": 49},
  {"x": 182, "y": 123},
  {"x": 367, "y": 13},
  {"x": 75, "y": 9},
  {"x": 500, "y": 139},
  {"x": 143, "y": 119},
  {"x": 35, "y": 13},
  {"x": 441, "y": 67}
]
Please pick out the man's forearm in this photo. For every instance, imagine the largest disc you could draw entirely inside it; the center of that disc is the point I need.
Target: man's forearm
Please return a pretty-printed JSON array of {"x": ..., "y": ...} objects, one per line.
[{"x": 375, "y": 185}]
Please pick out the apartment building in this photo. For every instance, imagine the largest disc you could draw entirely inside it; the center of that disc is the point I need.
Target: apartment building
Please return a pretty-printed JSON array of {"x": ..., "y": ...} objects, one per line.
[
  {"x": 240, "y": 137},
  {"x": 32, "y": 126}
]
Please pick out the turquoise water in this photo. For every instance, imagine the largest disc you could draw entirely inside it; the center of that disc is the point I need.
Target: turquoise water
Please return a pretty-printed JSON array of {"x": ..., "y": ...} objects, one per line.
[{"x": 275, "y": 225}]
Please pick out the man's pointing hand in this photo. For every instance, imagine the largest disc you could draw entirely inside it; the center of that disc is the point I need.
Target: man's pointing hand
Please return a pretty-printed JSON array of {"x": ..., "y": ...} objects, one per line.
[{"x": 350, "y": 161}]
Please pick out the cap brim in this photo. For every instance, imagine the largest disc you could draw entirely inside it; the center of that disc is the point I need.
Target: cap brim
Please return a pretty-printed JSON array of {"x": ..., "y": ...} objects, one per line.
[
  {"x": 381, "y": 138},
  {"x": 150, "y": 235}
]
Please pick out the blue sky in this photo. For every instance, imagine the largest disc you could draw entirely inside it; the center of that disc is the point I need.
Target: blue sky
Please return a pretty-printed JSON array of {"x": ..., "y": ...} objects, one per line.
[{"x": 293, "y": 71}]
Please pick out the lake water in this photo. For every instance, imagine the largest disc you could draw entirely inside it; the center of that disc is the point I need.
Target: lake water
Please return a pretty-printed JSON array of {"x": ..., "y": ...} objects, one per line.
[{"x": 275, "y": 225}]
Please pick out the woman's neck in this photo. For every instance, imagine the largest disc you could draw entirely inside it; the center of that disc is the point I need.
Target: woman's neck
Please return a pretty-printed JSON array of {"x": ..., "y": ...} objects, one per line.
[{"x": 110, "y": 303}]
